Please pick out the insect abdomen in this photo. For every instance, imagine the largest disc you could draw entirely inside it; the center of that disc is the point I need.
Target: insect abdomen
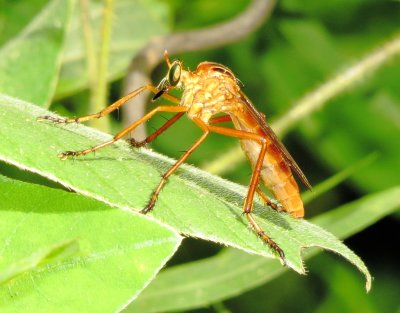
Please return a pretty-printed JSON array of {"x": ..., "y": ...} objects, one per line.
[
  {"x": 285, "y": 190},
  {"x": 278, "y": 178},
  {"x": 275, "y": 173}
]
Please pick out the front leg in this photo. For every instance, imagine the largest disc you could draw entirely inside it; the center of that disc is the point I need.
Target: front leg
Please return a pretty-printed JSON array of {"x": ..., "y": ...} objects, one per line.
[
  {"x": 150, "y": 138},
  {"x": 108, "y": 109},
  {"x": 178, "y": 109}
]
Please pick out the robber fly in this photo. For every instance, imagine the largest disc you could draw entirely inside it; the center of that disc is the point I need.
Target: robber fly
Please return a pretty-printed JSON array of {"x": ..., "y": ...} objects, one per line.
[{"x": 209, "y": 90}]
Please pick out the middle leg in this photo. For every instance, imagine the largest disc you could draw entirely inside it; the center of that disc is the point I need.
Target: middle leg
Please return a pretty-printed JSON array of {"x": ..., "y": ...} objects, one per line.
[
  {"x": 267, "y": 201},
  {"x": 178, "y": 163},
  {"x": 248, "y": 204},
  {"x": 253, "y": 186}
]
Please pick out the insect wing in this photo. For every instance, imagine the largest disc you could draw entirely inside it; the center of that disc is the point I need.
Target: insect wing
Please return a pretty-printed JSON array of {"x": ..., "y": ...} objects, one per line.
[{"x": 270, "y": 133}]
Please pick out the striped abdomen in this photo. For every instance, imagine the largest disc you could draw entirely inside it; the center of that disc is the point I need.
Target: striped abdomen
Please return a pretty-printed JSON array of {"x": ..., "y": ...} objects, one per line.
[
  {"x": 278, "y": 178},
  {"x": 275, "y": 173}
]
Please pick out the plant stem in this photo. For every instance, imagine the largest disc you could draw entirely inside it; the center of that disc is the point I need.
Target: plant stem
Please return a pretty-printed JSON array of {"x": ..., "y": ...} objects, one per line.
[
  {"x": 315, "y": 100},
  {"x": 91, "y": 57},
  {"x": 99, "y": 94},
  {"x": 338, "y": 84}
]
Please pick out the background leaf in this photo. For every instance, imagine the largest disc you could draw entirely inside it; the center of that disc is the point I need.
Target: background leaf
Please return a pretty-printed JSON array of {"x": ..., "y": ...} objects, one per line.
[
  {"x": 53, "y": 253},
  {"x": 15, "y": 15},
  {"x": 194, "y": 202},
  {"x": 350, "y": 126},
  {"x": 29, "y": 63},
  {"x": 119, "y": 252},
  {"x": 128, "y": 35},
  {"x": 232, "y": 272}
]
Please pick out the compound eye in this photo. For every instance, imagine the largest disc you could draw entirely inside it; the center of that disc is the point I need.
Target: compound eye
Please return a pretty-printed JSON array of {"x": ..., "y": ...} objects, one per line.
[{"x": 174, "y": 74}]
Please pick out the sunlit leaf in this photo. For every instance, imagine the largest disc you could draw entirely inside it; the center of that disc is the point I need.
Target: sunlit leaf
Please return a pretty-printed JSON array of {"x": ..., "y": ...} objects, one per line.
[
  {"x": 119, "y": 253},
  {"x": 194, "y": 203},
  {"x": 232, "y": 272},
  {"x": 53, "y": 253}
]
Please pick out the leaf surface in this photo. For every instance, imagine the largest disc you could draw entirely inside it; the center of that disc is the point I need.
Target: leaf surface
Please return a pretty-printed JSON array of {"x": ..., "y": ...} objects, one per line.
[
  {"x": 232, "y": 272},
  {"x": 62, "y": 252},
  {"x": 30, "y": 62},
  {"x": 194, "y": 203}
]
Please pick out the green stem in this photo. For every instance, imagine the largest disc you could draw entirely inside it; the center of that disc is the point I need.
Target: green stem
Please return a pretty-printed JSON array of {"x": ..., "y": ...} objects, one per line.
[
  {"x": 91, "y": 57},
  {"x": 99, "y": 95},
  {"x": 337, "y": 85}
]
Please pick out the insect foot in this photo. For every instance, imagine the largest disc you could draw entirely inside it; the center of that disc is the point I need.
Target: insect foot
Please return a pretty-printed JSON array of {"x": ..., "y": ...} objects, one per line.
[
  {"x": 274, "y": 246},
  {"x": 147, "y": 208},
  {"x": 136, "y": 144},
  {"x": 277, "y": 206},
  {"x": 55, "y": 120},
  {"x": 66, "y": 154},
  {"x": 151, "y": 204}
]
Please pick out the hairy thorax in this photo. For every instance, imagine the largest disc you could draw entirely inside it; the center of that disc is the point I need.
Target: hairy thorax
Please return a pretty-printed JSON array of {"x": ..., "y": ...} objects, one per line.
[{"x": 209, "y": 90}]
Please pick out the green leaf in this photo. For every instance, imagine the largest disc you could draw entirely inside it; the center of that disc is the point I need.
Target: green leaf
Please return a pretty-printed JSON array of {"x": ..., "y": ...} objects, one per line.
[
  {"x": 133, "y": 25},
  {"x": 194, "y": 203},
  {"x": 50, "y": 254},
  {"x": 305, "y": 36},
  {"x": 119, "y": 252},
  {"x": 15, "y": 15},
  {"x": 330, "y": 10},
  {"x": 232, "y": 272},
  {"x": 338, "y": 178},
  {"x": 29, "y": 63},
  {"x": 338, "y": 299},
  {"x": 343, "y": 146}
]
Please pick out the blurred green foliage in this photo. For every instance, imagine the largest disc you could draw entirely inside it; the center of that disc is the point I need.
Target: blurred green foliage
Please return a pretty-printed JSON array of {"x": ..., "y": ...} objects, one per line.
[{"x": 302, "y": 45}]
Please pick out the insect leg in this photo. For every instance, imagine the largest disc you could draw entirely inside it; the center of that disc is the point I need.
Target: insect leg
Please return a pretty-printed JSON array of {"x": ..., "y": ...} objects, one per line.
[
  {"x": 220, "y": 119},
  {"x": 248, "y": 204},
  {"x": 108, "y": 109},
  {"x": 267, "y": 200},
  {"x": 150, "y": 138},
  {"x": 182, "y": 159},
  {"x": 66, "y": 154}
]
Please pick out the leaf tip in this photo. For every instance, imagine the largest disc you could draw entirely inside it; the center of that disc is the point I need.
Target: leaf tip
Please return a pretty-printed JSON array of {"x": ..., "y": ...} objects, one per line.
[{"x": 368, "y": 283}]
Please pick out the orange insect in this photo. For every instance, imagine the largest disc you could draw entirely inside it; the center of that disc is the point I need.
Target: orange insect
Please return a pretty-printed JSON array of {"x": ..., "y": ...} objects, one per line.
[{"x": 211, "y": 89}]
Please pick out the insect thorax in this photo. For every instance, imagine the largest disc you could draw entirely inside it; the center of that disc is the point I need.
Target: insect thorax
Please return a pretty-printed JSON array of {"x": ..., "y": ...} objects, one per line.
[{"x": 208, "y": 92}]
